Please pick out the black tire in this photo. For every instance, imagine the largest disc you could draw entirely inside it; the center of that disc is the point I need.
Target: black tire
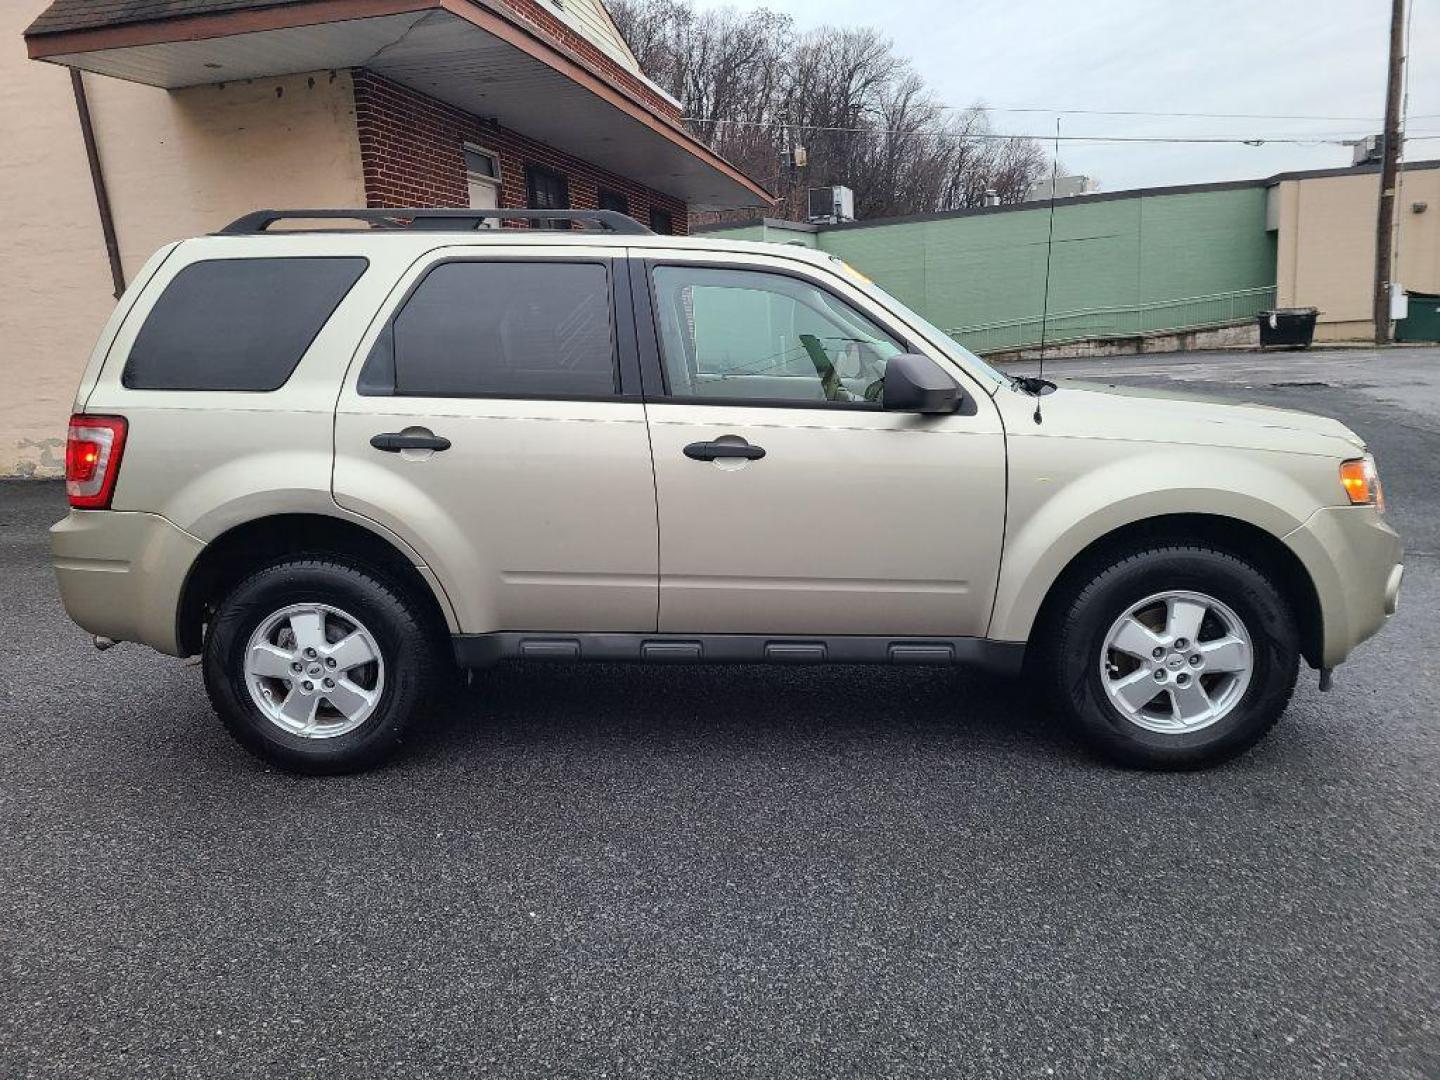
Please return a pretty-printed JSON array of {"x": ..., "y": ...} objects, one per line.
[
  {"x": 414, "y": 663},
  {"x": 1069, "y": 658}
]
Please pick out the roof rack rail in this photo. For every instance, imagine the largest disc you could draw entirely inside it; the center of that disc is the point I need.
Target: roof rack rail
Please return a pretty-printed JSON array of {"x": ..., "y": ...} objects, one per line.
[{"x": 447, "y": 220}]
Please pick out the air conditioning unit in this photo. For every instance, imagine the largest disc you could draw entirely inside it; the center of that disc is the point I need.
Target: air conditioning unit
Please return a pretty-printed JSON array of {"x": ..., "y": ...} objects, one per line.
[
  {"x": 1368, "y": 150},
  {"x": 1066, "y": 187},
  {"x": 831, "y": 205}
]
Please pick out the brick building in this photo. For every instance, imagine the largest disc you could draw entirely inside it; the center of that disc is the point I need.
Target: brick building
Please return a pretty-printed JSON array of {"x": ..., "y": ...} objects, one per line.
[{"x": 176, "y": 117}]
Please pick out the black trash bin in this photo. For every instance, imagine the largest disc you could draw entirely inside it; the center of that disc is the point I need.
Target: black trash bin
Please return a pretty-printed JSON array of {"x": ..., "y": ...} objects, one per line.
[{"x": 1288, "y": 327}]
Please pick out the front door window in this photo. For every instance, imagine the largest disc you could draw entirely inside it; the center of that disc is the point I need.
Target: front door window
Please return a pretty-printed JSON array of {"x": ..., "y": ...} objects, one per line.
[{"x": 748, "y": 334}]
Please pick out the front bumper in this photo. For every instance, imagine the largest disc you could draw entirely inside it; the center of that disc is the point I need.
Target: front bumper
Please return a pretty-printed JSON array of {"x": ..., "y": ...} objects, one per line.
[
  {"x": 121, "y": 574},
  {"x": 1354, "y": 559}
]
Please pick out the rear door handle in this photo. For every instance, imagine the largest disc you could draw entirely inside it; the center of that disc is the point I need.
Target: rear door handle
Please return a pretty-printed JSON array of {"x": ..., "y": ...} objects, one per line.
[
  {"x": 709, "y": 451},
  {"x": 392, "y": 442}
]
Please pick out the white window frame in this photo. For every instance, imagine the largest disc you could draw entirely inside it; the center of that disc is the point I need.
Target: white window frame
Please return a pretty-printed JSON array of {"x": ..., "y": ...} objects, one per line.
[{"x": 495, "y": 181}]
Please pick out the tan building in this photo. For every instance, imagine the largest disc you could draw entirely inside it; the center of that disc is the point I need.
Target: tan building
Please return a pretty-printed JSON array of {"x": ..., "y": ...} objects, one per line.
[
  {"x": 235, "y": 105},
  {"x": 1325, "y": 242}
]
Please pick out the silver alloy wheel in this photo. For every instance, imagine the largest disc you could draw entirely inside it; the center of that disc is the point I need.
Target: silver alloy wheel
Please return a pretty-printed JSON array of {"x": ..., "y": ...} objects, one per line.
[
  {"x": 1176, "y": 662},
  {"x": 314, "y": 671}
]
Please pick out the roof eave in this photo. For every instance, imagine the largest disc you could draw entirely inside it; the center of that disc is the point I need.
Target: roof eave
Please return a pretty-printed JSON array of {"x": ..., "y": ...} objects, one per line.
[{"x": 63, "y": 46}]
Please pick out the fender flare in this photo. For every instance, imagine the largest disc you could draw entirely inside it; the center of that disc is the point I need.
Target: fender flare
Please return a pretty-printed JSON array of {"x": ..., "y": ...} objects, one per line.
[{"x": 1123, "y": 494}]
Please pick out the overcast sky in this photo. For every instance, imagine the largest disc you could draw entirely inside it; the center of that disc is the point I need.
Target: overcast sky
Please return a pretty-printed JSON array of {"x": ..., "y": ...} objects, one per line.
[{"x": 1293, "y": 57}]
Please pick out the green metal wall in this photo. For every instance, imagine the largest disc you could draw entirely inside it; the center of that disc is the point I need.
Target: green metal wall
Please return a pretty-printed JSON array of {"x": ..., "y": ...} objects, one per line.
[
  {"x": 763, "y": 233},
  {"x": 1121, "y": 266},
  {"x": 740, "y": 232}
]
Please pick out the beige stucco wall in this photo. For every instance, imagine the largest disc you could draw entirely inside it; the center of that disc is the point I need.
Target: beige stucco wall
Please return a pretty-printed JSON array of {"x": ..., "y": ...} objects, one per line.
[
  {"x": 1325, "y": 255},
  {"x": 177, "y": 164},
  {"x": 54, "y": 282},
  {"x": 189, "y": 161}
]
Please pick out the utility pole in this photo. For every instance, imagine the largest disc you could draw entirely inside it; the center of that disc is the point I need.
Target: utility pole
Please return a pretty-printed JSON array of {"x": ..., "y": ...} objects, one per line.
[{"x": 1389, "y": 166}]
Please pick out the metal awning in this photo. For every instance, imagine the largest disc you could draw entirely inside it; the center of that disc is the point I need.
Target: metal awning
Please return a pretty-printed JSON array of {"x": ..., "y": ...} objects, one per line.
[{"x": 468, "y": 53}]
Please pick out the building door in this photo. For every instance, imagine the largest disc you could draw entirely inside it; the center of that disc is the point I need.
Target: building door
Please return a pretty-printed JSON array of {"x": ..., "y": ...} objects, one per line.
[
  {"x": 825, "y": 515},
  {"x": 482, "y": 177},
  {"x": 487, "y": 427}
]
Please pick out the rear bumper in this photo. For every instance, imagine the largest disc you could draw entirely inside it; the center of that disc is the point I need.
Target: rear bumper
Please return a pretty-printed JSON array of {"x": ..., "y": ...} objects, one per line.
[
  {"x": 121, "y": 574},
  {"x": 1354, "y": 559}
]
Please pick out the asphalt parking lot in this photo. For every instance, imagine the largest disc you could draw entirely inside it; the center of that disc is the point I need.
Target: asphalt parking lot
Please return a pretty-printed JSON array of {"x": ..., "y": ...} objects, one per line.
[{"x": 609, "y": 871}]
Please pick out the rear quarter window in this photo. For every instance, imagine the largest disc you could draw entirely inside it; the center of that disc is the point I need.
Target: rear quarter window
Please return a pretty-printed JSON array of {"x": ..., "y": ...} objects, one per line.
[{"x": 237, "y": 324}]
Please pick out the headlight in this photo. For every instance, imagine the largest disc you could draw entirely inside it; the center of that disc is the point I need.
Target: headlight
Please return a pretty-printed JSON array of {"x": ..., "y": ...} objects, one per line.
[{"x": 1361, "y": 481}]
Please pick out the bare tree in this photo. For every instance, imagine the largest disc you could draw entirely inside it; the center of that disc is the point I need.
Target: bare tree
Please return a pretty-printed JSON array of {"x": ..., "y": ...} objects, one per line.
[{"x": 754, "y": 89}]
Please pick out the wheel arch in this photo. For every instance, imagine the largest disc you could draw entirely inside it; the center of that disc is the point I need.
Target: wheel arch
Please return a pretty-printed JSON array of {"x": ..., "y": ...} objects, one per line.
[
  {"x": 1235, "y": 536},
  {"x": 252, "y": 545}
]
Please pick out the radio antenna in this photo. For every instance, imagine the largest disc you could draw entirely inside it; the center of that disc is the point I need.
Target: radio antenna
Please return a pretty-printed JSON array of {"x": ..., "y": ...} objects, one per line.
[{"x": 1049, "y": 251}]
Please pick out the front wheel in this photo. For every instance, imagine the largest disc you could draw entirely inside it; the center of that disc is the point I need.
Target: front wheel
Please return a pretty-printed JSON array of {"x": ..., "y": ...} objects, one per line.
[
  {"x": 318, "y": 666},
  {"x": 1173, "y": 658}
]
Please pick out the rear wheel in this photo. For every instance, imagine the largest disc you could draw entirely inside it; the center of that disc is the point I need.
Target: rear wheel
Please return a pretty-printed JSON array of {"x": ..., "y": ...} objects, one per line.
[
  {"x": 1173, "y": 658},
  {"x": 318, "y": 666}
]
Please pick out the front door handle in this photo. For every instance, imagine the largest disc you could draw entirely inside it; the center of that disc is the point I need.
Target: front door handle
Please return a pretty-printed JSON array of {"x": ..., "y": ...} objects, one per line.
[
  {"x": 709, "y": 451},
  {"x": 392, "y": 442}
]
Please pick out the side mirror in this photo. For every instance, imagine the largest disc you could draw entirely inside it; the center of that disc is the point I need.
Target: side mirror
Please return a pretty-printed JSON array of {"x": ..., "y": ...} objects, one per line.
[{"x": 915, "y": 383}]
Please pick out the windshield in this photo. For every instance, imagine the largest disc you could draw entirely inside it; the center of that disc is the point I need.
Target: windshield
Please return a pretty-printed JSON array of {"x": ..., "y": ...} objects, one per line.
[{"x": 937, "y": 337}]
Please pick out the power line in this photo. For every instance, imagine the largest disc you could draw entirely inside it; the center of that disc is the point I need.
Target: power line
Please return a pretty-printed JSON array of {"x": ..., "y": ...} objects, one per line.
[
  {"x": 1050, "y": 111},
  {"x": 1170, "y": 115},
  {"x": 1318, "y": 139}
]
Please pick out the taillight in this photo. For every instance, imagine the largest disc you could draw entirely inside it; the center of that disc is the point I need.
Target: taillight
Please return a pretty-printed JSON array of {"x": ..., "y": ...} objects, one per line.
[{"x": 92, "y": 459}]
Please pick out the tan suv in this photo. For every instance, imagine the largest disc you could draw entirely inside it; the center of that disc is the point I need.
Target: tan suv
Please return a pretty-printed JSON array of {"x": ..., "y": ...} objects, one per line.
[{"x": 337, "y": 463}]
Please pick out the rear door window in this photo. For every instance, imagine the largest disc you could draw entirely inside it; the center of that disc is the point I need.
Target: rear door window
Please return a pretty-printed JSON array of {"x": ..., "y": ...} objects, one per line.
[
  {"x": 237, "y": 324},
  {"x": 500, "y": 329}
]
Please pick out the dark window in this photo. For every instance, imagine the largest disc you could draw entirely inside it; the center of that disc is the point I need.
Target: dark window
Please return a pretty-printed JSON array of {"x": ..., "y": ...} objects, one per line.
[
  {"x": 237, "y": 324},
  {"x": 613, "y": 200},
  {"x": 547, "y": 190},
  {"x": 661, "y": 222},
  {"x": 506, "y": 329}
]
